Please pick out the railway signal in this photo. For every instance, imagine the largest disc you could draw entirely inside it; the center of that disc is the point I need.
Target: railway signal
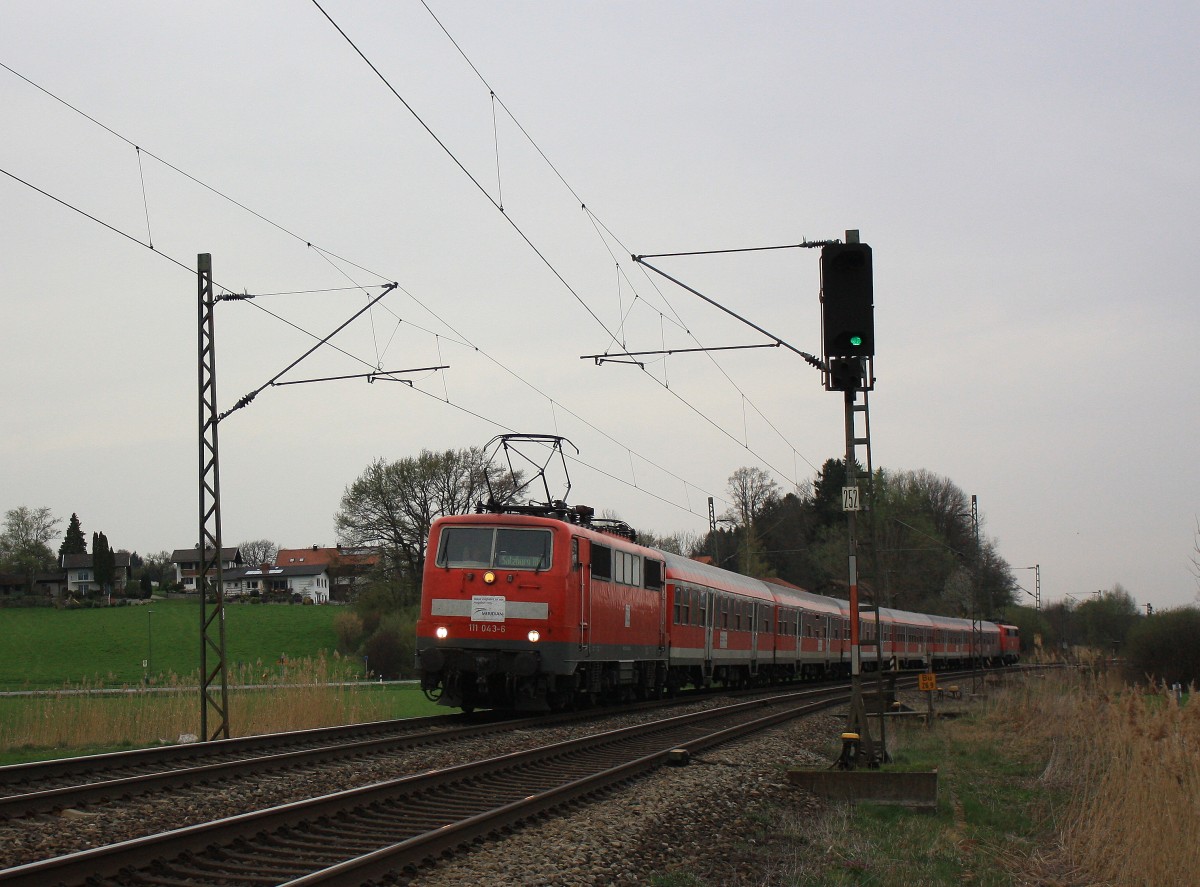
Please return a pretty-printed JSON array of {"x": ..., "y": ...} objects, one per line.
[
  {"x": 847, "y": 300},
  {"x": 848, "y": 337},
  {"x": 846, "y": 374}
]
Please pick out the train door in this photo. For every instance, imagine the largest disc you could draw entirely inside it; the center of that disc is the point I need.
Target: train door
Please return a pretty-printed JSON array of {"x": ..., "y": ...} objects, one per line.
[
  {"x": 709, "y": 603},
  {"x": 755, "y": 615},
  {"x": 585, "y": 598},
  {"x": 654, "y": 576}
]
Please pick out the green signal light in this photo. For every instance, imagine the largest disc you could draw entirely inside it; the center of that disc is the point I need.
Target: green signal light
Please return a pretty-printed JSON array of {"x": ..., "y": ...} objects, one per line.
[{"x": 856, "y": 341}]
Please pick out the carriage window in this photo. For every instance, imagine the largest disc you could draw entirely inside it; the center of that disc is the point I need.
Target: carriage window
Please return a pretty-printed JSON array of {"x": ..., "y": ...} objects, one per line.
[
  {"x": 601, "y": 561},
  {"x": 620, "y": 561}
]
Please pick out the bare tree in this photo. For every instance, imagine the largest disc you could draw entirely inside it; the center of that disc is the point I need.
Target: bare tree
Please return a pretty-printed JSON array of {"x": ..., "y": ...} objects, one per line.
[
  {"x": 24, "y": 541},
  {"x": 751, "y": 490},
  {"x": 392, "y": 505},
  {"x": 257, "y": 552},
  {"x": 686, "y": 543}
]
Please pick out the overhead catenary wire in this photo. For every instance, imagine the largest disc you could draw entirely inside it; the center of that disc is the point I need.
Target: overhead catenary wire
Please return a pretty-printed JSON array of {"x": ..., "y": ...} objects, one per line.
[
  {"x": 445, "y": 148},
  {"x": 488, "y": 420},
  {"x": 599, "y": 225},
  {"x": 613, "y": 337},
  {"x": 621, "y": 343},
  {"x": 326, "y": 254}
]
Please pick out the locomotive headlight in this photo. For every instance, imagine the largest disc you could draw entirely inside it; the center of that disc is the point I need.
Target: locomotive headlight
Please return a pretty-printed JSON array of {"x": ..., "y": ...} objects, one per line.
[
  {"x": 534, "y": 636},
  {"x": 442, "y": 632},
  {"x": 489, "y": 577}
]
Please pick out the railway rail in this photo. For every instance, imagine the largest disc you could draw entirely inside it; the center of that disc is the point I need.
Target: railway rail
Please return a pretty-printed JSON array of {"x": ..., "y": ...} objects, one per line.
[
  {"x": 365, "y": 833},
  {"x": 67, "y": 782}
]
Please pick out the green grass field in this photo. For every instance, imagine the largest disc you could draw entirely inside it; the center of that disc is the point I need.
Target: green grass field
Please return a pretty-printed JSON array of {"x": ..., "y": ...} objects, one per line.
[{"x": 45, "y": 648}]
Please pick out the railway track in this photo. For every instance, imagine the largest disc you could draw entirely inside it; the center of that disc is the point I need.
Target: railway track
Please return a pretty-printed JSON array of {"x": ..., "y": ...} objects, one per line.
[
  {"x": 355, "y": 836},
  {"x": 54, "y": 785}
]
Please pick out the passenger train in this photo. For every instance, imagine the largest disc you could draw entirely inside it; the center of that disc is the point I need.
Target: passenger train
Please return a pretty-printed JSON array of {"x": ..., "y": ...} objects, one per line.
[{"x": 547, "y": 608}]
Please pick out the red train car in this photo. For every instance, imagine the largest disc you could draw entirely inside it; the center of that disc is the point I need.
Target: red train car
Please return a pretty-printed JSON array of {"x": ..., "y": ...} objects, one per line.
[{"x": 1010, "y": 644}]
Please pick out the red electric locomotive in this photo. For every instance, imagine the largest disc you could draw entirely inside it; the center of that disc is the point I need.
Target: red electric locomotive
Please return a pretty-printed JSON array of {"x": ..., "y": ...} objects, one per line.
[{"x": 530, "y": 612}]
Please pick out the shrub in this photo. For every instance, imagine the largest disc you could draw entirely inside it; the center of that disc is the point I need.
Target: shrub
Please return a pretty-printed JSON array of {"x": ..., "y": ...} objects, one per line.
[
  {"x": 1163, "y": 647},
  {"x": 349, "y": 630},
  {"x": 391, "y": 647}
]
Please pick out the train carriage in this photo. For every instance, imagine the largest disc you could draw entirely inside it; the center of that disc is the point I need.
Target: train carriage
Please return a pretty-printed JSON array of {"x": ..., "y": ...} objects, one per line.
[
  {"x": 907, "y": 638},
  {"x": 721, "y": 625},
  {"x": 821, "y": 629}
]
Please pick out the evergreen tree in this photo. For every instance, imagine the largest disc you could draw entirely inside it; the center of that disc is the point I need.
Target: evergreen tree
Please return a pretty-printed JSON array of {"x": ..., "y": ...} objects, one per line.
[
  {"x": 104, "y": 562},
  {"x": 74, "y": 541}
]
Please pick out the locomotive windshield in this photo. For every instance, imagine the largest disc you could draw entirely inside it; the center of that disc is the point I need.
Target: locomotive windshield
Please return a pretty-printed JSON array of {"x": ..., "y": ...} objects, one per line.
[{"x": 502, "y": 548}]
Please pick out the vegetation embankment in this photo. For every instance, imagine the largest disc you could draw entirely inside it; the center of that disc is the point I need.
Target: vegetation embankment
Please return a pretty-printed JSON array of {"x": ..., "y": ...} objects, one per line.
[
  {"x": 288, "y": 652},
  {"x": 1068, "y": 780},
  {"x": 310, "y": 695}
]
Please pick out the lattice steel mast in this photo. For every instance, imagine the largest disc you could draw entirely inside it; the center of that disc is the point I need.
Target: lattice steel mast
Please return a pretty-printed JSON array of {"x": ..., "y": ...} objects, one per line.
[{"x": 212, "y": 621}]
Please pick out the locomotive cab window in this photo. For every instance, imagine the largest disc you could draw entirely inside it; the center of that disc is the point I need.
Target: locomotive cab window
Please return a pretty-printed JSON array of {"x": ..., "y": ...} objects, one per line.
[
  {"x": 523, "y": 549},
  {"x": 482, "y": 547}
]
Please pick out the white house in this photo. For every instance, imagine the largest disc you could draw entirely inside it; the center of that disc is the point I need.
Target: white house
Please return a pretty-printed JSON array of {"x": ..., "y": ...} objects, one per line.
[
  {"x": 187, "y": 563},
  {"x": 81, "y": 575},
  {"x": 307, "y": 580}
]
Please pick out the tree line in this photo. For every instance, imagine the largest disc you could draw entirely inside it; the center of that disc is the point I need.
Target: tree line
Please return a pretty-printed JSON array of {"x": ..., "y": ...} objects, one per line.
[
  {"x": 25, "y": 552},
  {"x": 921, "y": 547}
]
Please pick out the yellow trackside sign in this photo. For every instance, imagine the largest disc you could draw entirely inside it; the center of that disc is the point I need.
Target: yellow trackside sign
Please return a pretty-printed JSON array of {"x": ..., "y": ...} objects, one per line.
[{"x": 927, "y": 681}]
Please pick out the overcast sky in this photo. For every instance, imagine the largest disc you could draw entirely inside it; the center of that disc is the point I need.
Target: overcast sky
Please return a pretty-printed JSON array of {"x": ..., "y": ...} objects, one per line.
[{"x": 1027, "y": 174}]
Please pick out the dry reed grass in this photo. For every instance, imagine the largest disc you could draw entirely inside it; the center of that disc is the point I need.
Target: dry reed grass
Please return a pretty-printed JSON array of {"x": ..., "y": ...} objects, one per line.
[
  {"x": 1128, "y": 759},
  {"x": 1134, "y": 764},
  {"x": 263, "y": 699}
]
